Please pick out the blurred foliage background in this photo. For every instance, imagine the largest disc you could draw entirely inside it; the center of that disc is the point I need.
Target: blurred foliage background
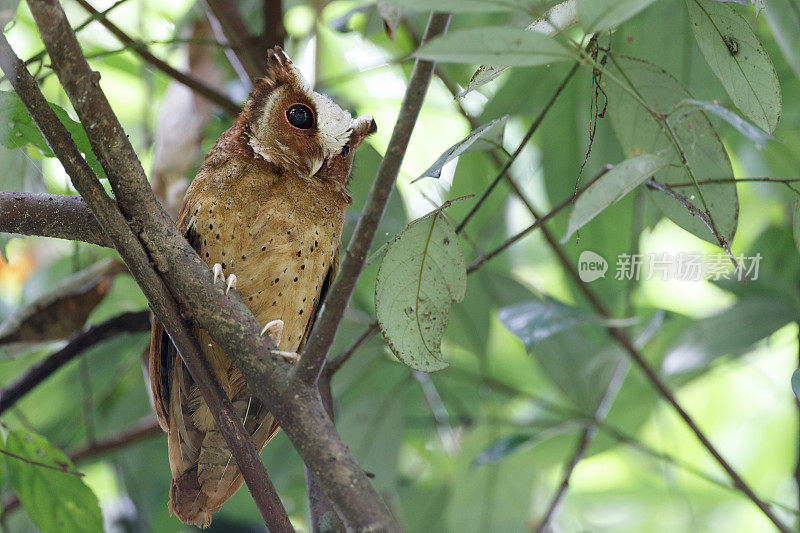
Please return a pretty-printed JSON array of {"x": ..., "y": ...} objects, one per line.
[{"x": 481, "y": 445}]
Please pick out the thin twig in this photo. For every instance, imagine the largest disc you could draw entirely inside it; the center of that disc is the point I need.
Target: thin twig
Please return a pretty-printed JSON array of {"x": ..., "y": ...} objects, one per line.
[
  {"x": 736, "y": 180},
  {"x": 534, "y": 126},
  {"x": 137, "y": 48},
  {"x": 587, "y": 437},
  {"x": 310, "y": 364},
  {"x": 143, "y": 429},
  {"x": 124, "y": 323},
  {"x": 43, "y": 465},
  {"x": 334, "y": 364}
]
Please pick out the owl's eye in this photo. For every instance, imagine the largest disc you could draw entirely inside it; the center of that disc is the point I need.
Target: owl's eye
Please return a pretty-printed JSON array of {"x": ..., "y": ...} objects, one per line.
[
  {"x": 346, "y": 150},
  {"x": 300, "y": 116}
]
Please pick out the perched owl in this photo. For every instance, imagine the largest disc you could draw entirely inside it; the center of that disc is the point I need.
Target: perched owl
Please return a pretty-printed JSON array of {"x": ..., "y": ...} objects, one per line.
[{"x": 266, "y": 211}]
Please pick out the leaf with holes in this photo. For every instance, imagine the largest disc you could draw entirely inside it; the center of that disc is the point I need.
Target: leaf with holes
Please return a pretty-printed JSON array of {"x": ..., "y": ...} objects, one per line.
[
  {"x": 686, "y": 142},
  {"x": 497, "y": 46},
  {"x": 610, "y": 188},
  {"x": 421, "y": 275},
  {"x": 599, "y": 15},
  {"x": 739, "y": 60},
  {"x": 21, "y": 131},
  {"x": 486, "y": 137},
  {"x": 55, "y": 498}
]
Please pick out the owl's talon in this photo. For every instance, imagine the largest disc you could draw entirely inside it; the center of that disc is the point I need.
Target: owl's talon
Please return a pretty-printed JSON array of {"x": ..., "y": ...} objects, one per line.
[
  {"x": 289, "y": 357},
  {"x": 218, "y": 274},
  {"x": 274, "y": 328},
  {"x": 231, "y": 283}
]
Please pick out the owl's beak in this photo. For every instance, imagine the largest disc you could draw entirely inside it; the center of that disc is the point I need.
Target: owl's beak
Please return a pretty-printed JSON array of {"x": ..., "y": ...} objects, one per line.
[{"x": 362, "y": 127}]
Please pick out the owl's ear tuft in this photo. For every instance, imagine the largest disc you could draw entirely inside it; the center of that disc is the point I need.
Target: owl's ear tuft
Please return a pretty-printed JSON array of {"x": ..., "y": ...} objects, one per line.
[{"x": 280, "y": 70}]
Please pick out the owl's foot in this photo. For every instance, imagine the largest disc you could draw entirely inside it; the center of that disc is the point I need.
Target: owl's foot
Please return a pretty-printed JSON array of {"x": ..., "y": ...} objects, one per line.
[
  {"x": 218, "y": 274},
  {"x": 274, "y": 329}
]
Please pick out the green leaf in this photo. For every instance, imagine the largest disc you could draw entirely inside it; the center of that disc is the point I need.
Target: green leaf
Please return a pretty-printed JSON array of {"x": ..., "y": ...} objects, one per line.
[
  {"x": 555, "y": 20},
  {"x": 739, "y": 60},
  {"x": 749, "y": 130},
  {"x": 21, "y": 131},
  {"x": 486, "y": 137},
  {"x": 599, "y": 15},
  {"x": 733, "y": 331},
  {"x": 496, "y": 46},
  {"x": 421, "y": 274},
  {"x": 610, "y": 188},
  {"x": 534, "y": 321},
  {"x": 687, "y": 143},
  {"x": 56, "y": 501}
]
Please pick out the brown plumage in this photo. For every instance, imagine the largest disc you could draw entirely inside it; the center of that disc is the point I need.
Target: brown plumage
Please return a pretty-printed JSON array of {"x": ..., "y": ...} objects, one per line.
[{"x": 267, "y": 206}]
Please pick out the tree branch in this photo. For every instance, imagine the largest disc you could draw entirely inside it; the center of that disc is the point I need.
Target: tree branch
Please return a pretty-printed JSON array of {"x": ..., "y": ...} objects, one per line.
[
  {"x": 144, "y": 429},
  {"x": 316, "y": 350},
  {"x": 141, "y": 50},
  {"x": 245, "y": 46},
  {"x": 323, "y": 516},
  {"x": 137, "y": 260},
  {"x": 50, "y": 215},
  {"x": 295, "y": 405},
  {"x": 124, "y": 323},
  {"x": 274, "y": 31}
]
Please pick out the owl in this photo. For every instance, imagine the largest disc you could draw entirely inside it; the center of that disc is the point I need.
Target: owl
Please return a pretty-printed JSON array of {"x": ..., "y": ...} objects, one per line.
[{"x": 265, "y": 211}]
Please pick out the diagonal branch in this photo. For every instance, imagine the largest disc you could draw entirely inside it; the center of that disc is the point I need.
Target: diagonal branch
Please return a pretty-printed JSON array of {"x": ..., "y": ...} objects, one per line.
[
  {"x": 35, "y": 375},
  {"x": 141, "y": 50},
  {"x": 138, "y": 263},
  {"x": 316, "y": 350}
]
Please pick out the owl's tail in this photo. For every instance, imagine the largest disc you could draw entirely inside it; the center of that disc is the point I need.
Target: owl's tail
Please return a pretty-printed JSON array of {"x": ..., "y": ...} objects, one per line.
[{"x": 200, "y": 491}]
